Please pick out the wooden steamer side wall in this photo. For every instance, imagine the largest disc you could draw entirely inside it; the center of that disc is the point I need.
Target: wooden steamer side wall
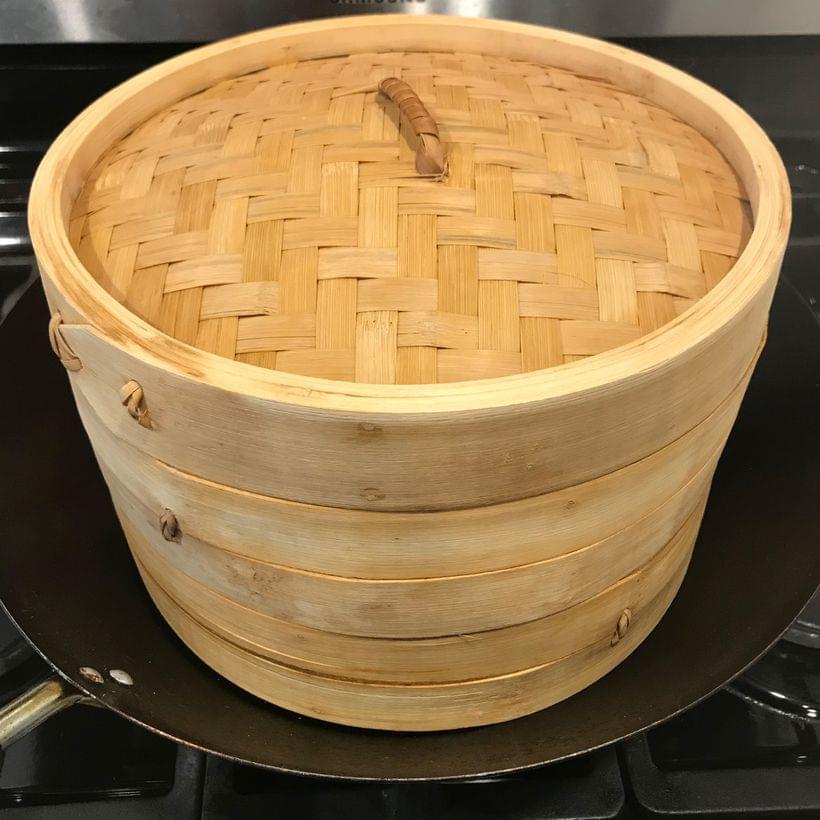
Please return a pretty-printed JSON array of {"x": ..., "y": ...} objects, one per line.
[
  {"x": 384, "y": 545},
  {"x": 423, "y": 706},
  {"x": 429, "y": 620},
  {"x": 409, "y": 558}
]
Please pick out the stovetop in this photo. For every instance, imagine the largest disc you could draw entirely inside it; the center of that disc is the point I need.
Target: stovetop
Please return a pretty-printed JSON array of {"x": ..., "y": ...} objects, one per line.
[{"x": 751, "y": 750}]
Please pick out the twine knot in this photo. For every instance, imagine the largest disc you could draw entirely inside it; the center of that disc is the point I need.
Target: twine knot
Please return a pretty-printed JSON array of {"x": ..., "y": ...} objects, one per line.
[
  {"x": 62, "y": 349},
  {"x": 133, "y": 397},
  {"x": 622, "y": 626},
  {"x": 170, "y": 526}
]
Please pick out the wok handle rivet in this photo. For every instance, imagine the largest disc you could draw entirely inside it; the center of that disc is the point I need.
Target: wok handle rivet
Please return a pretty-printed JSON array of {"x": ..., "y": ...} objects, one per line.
[
  {"x": 621, "y": 626},
  {"x": 121, "y": 676},
  {"x": 133, "y": 397},
  {"x": 170, "y": 526},
  {"x": 91, "y": 674}
]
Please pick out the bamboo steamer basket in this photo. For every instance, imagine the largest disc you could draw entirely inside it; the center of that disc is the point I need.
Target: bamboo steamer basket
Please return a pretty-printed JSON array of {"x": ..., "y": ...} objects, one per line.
[{"x": 408, "y": 368}]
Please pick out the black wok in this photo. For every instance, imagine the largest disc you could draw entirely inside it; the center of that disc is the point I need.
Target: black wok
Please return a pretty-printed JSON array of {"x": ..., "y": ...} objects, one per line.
[{"x": 67, "y": 580}]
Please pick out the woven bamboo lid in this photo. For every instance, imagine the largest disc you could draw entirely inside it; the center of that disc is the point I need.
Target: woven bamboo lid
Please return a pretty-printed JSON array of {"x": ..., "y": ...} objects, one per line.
[{"x": 294, "y": 217}]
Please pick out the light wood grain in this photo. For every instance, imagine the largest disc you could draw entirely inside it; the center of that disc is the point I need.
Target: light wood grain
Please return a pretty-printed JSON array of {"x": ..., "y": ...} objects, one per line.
[
  {"x": 415, "y": 607},
  {"x": 422, "y": 707},
  {"x": 419, "y": 660},
  {"x": 407, "y": 461},
  {"x": 365, "y": 544}
]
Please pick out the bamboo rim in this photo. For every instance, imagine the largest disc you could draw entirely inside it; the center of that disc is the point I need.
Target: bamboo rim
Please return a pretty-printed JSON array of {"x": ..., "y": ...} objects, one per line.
[{"x": 743, "y": 142}]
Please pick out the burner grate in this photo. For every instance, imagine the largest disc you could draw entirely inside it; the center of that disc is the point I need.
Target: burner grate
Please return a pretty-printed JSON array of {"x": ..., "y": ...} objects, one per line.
[{"x": 18, "y": 161}]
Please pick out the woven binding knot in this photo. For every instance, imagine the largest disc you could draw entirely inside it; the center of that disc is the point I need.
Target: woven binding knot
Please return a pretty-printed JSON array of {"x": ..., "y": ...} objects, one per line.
[
  {"x": 133, "y": 397},
  {"x": 170, "y": 526},
  {"x": 60, "y": 346},
  {"x": 622, "y": 626}
]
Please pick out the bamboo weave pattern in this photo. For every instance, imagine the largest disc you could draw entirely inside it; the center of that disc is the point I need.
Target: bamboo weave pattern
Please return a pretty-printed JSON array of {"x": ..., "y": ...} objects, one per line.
[{"x": 277, "y": 218}]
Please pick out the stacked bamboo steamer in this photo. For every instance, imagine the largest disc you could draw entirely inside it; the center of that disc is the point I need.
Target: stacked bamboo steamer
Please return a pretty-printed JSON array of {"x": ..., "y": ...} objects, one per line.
[{"x": 408, "y": 352}]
